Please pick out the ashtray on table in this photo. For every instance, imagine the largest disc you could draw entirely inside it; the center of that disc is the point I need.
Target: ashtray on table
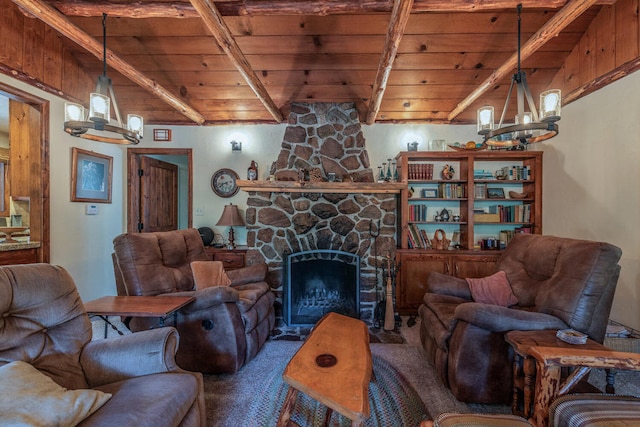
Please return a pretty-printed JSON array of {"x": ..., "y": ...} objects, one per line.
[
  {"x": 572, "y": 336},
  {"x": 9, "y": 231}
]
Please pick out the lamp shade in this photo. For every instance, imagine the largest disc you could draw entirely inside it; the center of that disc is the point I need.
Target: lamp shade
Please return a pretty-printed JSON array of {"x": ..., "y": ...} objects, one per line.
[
  {"x": 99, "y": 107},
  {"x": 230, "y": 216},
  {"x": 550, "y": 105},
  {"x": 73, "y": 112},
  {"x": 485, "y": 119}
]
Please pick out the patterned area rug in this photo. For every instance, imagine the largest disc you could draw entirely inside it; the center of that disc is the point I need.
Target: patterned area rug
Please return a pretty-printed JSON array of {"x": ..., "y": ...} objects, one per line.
[{"x": 392, "y": 400}]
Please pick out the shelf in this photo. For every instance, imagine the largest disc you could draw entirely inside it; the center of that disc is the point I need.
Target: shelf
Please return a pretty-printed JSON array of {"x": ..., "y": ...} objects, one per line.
[
  {"x": 440, "y": 181},
  {"x": 440, "y": 222},
  {"x": 320, "y": 187},
  {"x": 442, "y": 199}
]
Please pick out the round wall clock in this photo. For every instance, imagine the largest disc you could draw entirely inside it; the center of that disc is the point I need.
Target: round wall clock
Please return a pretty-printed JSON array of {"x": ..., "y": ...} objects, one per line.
[{"x": 223, "y": 183}]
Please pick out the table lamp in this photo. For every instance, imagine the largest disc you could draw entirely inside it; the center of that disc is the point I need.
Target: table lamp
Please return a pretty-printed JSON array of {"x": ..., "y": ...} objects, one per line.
[{"x": 230, "y": 217}]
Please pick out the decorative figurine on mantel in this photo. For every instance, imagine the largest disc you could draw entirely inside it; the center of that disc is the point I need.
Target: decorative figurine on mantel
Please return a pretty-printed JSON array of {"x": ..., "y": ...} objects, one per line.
[{"x": 252, "y": 172}]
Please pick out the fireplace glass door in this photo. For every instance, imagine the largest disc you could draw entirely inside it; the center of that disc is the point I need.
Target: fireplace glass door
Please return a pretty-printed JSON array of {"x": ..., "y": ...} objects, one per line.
[{"x": 318, "y": 282}]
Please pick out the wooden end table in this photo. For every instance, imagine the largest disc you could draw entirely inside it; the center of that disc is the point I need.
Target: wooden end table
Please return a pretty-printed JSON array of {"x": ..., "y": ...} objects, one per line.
[
  {"x": 551, "y": 360},
  {"x": 136, "y": 306},
  {"x": 334, "y": 367},
  {"x": 524, "y": 365}
]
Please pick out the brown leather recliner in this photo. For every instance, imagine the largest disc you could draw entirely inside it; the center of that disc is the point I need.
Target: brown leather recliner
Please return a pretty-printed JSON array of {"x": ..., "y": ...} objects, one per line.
[
  {"x": 225, "y": 326},
  {"x": 43, "y": 323},
  {"x": 559, "y": 283}
]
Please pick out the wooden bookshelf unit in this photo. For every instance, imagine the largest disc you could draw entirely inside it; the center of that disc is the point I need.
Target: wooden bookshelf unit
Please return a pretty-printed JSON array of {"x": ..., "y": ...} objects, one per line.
[{"x": 483, "y": 213}]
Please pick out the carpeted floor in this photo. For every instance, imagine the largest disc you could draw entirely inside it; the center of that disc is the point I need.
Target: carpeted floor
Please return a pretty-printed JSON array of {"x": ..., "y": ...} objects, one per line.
[{"x": 230, "y": 397}]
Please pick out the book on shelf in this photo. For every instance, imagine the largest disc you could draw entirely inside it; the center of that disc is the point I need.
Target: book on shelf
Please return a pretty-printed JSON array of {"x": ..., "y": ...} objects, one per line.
[
  {"x": 418, "y": 213},
  {"x": 517, "y": 173},
  {"x": 515, "y": 213},
  {"x": 414, "y": 235},
  {"x": 418, "y": 238},
  {"x": 482, "y": 174},
  {"x": 420, "y": 171},
  {"x": 451, "y": 191},
  {"x": 410, "y": 241},
  {"x": 425, "y": 239}
]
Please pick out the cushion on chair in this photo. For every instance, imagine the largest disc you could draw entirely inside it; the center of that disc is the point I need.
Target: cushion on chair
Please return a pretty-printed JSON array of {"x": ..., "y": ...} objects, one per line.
[
  {"x": 494, "y": 289},
  {"x": 595, "y": 410},
  {"x": 29, "y": 397},
  {"x": 142, "y": 401},
  {"x": 479, "y": 420},
  {"x": 209, "y": 273}
]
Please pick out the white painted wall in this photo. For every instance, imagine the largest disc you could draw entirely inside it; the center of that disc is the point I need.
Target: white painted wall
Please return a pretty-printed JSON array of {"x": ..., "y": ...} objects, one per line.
[{"x": 590, "y": 181}]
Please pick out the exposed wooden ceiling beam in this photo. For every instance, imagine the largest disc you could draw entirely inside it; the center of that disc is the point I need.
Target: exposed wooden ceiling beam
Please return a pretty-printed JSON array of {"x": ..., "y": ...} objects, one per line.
[
  {"x": 183, "y": 9},
  {"x": 560, "y": 20},
  {"x": 61, "y": 24},
  {"x": 397, "y": 24},
  {"x": 219, "y": 30}
]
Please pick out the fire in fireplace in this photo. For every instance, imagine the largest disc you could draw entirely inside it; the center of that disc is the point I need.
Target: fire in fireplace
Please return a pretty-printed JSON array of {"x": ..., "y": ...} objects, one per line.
[{"x": 318, "y": 282}]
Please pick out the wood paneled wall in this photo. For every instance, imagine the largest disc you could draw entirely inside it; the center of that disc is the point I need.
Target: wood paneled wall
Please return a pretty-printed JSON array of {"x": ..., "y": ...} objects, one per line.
[
  {"x": 32, "y": 52},
  {"x": 608, "y": 51}
]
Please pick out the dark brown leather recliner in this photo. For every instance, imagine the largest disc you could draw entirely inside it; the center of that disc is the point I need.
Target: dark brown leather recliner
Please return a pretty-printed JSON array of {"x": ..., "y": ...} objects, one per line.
[
  {"x": 225, "y": 326},
  {"x": 560, "y": 283},
  {"x": 44, "y": 323}
]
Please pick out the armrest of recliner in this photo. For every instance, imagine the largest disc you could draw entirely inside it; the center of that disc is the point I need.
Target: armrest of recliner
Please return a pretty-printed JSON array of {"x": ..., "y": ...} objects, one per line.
[
  {"x": 444, "y": 284},
  {"x": 496, "y": 318},
  {"x": 207, "y": 298},
  {"x": 143, "y": 353},
  {"x": 252, "y": 274}
]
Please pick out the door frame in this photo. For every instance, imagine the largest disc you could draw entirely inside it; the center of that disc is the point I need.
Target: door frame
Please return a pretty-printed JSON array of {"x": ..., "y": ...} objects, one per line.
[
  {"x": 133, "y": 183},
  {"x": 39, "y": 207}
]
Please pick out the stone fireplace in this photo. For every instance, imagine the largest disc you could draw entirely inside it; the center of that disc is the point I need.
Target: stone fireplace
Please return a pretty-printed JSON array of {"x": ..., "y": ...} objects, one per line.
[{"x": 323, "y": 139}]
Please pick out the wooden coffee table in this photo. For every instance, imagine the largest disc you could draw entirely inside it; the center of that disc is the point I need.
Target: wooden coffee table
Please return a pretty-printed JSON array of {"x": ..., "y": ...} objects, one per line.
[
  {"x": 136, "y": 306},
  {"x": 334, "y": 367}
]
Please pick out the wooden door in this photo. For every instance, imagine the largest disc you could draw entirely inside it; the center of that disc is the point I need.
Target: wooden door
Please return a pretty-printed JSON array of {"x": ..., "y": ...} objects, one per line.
[
  {"x": 412, "y": 280},
  {"x": 158, "y": 195}
]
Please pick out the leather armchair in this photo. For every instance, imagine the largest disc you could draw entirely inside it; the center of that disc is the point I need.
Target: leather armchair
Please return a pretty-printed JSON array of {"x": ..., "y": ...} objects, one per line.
[
  {"x": 44, "y": 323},
  {"x": 225, "y": 326},
  {"x": 560, "y": 283}
]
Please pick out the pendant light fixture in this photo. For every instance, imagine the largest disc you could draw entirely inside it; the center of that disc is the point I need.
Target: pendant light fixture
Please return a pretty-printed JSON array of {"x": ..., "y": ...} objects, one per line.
[
  {"x": 530, "y": 126},
  {"x": 98, "y": 126}
]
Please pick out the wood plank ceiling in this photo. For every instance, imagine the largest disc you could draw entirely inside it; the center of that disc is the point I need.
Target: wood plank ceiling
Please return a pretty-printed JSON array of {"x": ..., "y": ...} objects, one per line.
[{"x": 403, "y": 61}]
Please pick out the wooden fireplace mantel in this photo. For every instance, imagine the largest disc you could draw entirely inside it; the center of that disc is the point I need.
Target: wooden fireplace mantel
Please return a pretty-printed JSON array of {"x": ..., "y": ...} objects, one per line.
[{"x": 320, "y": 187}]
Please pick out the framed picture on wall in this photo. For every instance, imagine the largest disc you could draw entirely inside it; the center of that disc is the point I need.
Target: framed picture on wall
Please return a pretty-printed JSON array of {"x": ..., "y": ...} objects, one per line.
[{"x": 91, "y": 175}]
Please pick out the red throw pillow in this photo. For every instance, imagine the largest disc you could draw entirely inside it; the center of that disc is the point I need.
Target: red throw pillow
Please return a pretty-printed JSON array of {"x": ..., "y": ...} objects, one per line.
[{"x": 494, "y": 289}]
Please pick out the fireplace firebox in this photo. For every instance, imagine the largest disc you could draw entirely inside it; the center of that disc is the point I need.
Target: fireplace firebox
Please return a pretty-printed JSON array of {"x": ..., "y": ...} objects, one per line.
[{"x": 318, "y": 282}]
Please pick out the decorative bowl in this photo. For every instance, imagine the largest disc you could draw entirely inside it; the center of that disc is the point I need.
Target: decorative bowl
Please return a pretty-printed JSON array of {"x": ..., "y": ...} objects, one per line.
[
  {"x": 516, "y": 195},
  {"x": 482, "y": 146},
  {"x": 8, "y": 231}
]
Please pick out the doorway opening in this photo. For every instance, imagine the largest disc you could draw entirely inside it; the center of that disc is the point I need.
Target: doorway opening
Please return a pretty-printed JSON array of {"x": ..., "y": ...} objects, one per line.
[
  {"x": 34, "y": 146},
  {"x": 160, "y": 189}
]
